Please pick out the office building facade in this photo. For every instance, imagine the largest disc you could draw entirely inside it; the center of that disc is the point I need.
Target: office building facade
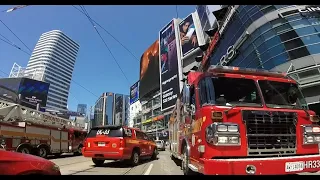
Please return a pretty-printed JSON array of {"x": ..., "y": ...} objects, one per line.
[
  {"x": 274, "y": 37},
  {"x": 82, "y": 109},
  {"x": 53, "y": 58},
  {"x": 111, "y": 109},
  {"x": 135, "y": 111},
  {"x": 153, "y": 121}
]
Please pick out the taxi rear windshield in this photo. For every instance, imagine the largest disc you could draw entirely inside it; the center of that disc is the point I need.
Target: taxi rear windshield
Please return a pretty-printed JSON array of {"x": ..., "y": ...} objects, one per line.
[{"x": 106, "y": 131}]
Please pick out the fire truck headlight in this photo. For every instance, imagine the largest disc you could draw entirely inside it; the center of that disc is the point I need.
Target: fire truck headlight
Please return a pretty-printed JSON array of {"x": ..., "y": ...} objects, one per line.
[
  {"x": 317, "y": 138},
  {"x": 311, "y": 134},
  {"x": 223, "y": 134},
  {"x": 222, "y": 128},
  {"x": 227, "y": 140}
]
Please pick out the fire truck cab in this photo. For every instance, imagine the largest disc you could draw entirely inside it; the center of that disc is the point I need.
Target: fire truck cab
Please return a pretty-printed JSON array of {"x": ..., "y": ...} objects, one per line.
[{"x": 230, "y": 120}]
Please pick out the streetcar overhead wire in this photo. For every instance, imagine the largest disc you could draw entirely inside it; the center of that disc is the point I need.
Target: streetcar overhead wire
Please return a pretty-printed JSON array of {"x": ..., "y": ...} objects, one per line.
[
  {"x": 96, "y": 23},
  {"x": 6, "y": 40},
  {"x": 15, "y": 35},
  {"x": 114, "y": 58},
  {"x": 93, "y": 22}
]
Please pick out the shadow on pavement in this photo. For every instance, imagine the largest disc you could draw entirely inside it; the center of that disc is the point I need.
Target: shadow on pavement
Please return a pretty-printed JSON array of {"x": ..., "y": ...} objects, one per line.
[
  {"x": 62, "y": 156},
  {"x": 176, "y": 161},
  {"x": 122, "y": 164}
]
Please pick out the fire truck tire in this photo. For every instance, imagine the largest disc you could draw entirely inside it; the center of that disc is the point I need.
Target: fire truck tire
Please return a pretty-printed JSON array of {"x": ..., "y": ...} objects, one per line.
[
  {"x": 25, "y": 149},
  {"x": 135, "y": 157},
  {"x": 43, "y": 151},
  {"x": 79, "y": 151},
  {"x": 98, "y": 162},
  {"x": 185, "y": 161}
]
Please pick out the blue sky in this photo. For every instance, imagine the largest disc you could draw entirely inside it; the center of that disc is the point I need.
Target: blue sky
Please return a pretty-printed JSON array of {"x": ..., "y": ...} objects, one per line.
[{"x": 136, "y": 27}]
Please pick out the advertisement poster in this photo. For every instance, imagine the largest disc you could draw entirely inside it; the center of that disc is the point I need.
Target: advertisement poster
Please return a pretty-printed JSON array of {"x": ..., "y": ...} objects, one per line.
[
  {"x": 188, "y": 36},
  {"x": 149, "y": 70},
  {"x": 134, "y": 93},
  {"x": 169, "y": 66},
  {"x": 32, "y": 92}
]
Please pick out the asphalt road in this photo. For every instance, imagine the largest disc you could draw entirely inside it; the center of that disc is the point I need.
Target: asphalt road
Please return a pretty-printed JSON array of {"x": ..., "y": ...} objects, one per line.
[{"x": 79, "y": 165}]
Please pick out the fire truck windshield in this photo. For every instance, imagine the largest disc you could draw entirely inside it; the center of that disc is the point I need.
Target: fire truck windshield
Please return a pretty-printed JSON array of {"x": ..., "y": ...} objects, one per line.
[
  {"x": 229, "y": 92},
  {"x": 282, "y": 95},
  {"x": 226, "y": 91}
]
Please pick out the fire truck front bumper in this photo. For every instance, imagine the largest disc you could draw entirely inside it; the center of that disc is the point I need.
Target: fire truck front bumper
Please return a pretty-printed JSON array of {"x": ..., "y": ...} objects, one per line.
[{"x": 262, "y": 166}]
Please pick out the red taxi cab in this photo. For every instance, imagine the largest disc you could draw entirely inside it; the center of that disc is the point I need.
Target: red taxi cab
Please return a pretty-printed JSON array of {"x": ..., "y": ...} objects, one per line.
[{"x": 118, "y": 143}]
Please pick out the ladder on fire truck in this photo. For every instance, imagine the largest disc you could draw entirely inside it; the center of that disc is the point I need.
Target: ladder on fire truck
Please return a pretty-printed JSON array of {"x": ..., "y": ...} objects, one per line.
[{"x": 12, "y": 112}]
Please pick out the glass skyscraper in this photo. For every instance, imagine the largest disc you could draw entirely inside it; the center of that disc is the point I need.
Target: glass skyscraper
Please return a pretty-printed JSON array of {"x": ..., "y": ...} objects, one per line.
[
  {"x": 111, "y": 109},
  {"x": 53, "y": 59},
  {"x": 82, "y": 108}
]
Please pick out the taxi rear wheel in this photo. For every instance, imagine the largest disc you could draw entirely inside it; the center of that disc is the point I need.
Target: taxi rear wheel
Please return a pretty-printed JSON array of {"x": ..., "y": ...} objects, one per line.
[
  {"x": 98, "y": 162},
  {"x": 135, "y": 158},
  {"x": 154, "y": 154}
]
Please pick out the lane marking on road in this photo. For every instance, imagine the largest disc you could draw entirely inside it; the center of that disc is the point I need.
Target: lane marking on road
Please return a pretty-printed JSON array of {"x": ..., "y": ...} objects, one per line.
[{"x": 148, "y": 170}]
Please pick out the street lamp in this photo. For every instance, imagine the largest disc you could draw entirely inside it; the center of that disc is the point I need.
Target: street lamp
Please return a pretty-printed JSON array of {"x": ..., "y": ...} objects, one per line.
[{"x": 15, "y": 8}]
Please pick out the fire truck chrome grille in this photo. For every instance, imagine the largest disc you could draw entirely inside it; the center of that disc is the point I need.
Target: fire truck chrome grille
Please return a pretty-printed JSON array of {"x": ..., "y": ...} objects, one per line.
[{"x": 270, "y": 133}]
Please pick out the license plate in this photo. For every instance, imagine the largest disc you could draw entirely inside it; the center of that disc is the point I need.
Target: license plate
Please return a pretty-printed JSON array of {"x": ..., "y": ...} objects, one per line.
[
  {"x": 294, "y": 166},
  {"x": 101, "y": 144}
]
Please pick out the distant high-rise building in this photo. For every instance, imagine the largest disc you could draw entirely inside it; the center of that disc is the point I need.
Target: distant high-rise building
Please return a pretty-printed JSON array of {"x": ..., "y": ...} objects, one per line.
[
  {"x": 111, "y": 109},
  {"x": 53, "y": 59},
  {"x": 82, "y": 108}
]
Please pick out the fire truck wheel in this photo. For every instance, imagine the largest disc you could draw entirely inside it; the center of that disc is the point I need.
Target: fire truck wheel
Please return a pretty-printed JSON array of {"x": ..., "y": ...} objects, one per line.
[
  {"x": 79, "y": 151},
  {"x": 24, "y": 149},
  {"x": 135, "y": 157},
  {"x": 42, "y": 152},
  {"x": 185, "y": 161},
  {"x": 98, "y": 162}
]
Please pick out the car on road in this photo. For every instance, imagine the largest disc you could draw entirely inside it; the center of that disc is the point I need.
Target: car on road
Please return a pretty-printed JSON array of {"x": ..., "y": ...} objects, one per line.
[
  {"x": 160, "y": 145},
  {"x": 118, "y": 143},
  {"x": 14, "y": 163}
]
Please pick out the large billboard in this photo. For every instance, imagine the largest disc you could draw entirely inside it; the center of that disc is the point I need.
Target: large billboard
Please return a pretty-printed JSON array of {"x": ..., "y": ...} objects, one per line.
[
  {"x": 170, "y": 66},
  {"x": 134, "y": 93},
  {"x": 188, "y": 36},
  {"x": 149, "y": 70},
  {"x": 32, "y": 92},
  {"x": 191, "y": 36}
]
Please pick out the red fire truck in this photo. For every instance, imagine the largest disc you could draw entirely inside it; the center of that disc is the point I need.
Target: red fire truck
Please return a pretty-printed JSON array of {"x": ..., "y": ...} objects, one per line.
[
  {"x": 34, "y": 132},
  {"x": 230, "y": 120}
]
